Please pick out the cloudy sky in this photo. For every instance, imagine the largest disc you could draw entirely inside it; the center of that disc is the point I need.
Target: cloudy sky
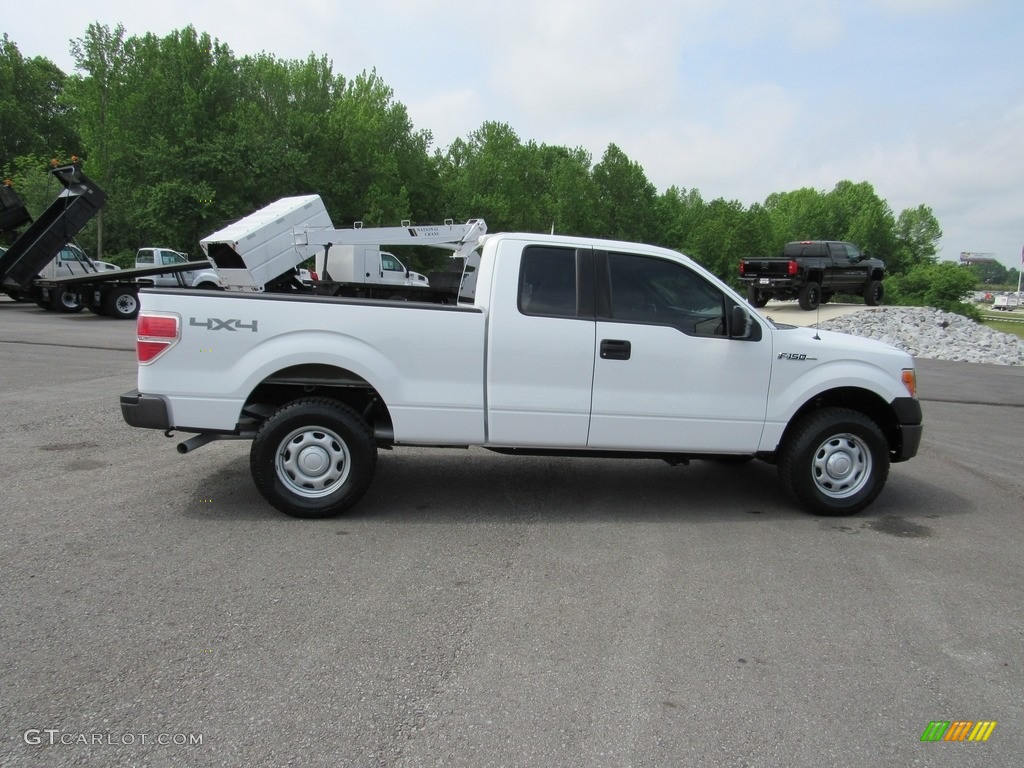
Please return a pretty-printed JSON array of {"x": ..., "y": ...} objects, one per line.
[{"x": 923, "y": 99}]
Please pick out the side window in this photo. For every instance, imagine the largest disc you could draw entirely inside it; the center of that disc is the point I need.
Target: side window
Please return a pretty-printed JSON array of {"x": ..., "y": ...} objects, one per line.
[
  {"x": 547, "y": 281},
  {"x": 389, "y": 263},
  {"x": 170, "y": 257},
  {"x": 838, "y": 251},
  {"x": 656, "y": 291},
  {"x": 144, "y": 257},
  {"x": 852, "y": 252},
  {"x": 66, "y": 254}
]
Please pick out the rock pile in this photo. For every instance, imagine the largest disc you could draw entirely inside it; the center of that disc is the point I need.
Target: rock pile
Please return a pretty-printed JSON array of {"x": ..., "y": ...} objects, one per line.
[{"x": 932, "y": 333}]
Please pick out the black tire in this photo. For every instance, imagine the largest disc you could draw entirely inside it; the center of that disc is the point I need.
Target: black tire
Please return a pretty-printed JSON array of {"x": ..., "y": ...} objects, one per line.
[
  {"x": 122, "y": 303},
  {"x": 97, "y": 309},
  {"x": 810, "y": 296},
  {"x": 207, "y": 286},
  {"x": 755, "y": 298},
  {"x": 873, "y": 293},
  {"x": 834, "y": 461},
  {"x": 66, "y": 299},
  {"x": 338, "y": 450}
]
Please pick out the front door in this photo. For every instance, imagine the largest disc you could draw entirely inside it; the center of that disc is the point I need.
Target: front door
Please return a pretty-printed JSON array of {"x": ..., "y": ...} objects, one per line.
[{"x": 667, "y": 376}]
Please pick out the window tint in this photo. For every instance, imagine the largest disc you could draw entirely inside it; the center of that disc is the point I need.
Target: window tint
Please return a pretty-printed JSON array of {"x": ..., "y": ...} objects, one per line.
[
  {"x": 547, "y": 281},
  {"x": 170, "y": 257},
  {"x": 144, "y": 257},
  {"x": 660, "y": 292}
]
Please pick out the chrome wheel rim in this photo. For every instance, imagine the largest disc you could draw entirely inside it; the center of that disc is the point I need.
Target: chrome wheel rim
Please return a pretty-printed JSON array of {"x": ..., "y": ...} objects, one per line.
[
  {"x": 313, "y": 462},
  {"x": 841, "y": 466}
]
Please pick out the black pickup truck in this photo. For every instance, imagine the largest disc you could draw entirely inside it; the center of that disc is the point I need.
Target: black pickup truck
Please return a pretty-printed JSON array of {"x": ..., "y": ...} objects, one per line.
[{"x": 812, "y": 271}]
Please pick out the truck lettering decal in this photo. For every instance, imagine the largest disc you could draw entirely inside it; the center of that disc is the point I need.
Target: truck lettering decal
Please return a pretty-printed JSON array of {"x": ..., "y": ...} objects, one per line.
[
  {"x": 216, "y": 324},
  {"x": 794, "y": 356}
]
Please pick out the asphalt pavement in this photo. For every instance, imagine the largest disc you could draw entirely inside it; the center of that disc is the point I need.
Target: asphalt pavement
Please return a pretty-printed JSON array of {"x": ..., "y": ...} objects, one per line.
[{"x": 484, "y": 610}]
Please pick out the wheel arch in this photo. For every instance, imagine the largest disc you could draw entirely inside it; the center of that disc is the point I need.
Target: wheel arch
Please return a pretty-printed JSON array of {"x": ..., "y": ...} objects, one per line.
[
  {"x": 322, "y": 380},
  {"x": 857, "y": 399}
]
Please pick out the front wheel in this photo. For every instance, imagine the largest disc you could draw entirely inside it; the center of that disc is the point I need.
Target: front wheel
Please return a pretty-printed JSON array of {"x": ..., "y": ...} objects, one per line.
[
  {"x": 834, "y": 461},
  {"x": 66, "y": 299},
  {"x": 873, "y": 293},
  {"x": 313, "y": 458}
]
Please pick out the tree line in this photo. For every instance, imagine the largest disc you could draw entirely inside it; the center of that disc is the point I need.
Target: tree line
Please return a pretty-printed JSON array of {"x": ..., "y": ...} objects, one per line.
[{"x": 185, "y": 136}]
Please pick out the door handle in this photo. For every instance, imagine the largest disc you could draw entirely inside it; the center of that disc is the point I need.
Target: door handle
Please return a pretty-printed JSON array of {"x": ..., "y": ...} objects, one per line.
[{"x": 614, "y": 349}]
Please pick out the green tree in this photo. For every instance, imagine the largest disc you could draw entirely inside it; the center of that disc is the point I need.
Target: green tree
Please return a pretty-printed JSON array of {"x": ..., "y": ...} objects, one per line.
[
  {"x": 942, "y": 285},
  {"x": 626, "y": 199},
  {"x": 34, "y": 120},
  {"x": 853, "y": 212},
  {"x": 917, "y": 237},
  {"x": 796, "y": 215}
]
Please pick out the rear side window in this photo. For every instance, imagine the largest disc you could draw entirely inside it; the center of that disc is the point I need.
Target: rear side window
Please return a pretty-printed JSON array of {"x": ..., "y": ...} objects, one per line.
[
  {"x": 547, "y": 282},
  {"x": 144, "y": 257}
]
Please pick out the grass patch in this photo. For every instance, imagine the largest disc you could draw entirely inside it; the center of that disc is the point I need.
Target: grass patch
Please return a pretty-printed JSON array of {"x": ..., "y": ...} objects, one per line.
[{"x": 1006, "y": 326}]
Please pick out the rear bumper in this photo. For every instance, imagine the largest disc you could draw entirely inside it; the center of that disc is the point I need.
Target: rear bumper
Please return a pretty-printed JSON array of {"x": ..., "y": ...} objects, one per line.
[
  {"x": 146, "y": 411},
  {"x": 908, "y": 419}
]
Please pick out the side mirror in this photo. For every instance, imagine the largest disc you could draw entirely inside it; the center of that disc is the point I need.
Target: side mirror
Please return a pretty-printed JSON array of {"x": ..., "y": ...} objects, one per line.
[{"x": 739, "y": 323}]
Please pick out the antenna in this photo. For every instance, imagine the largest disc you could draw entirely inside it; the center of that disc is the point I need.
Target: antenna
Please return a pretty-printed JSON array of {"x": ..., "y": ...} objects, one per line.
[{"x": 817, "y": 319}]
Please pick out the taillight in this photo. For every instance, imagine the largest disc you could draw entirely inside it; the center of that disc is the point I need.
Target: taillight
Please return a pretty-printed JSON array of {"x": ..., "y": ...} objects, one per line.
[
  {"x": 791, "y": 268},
  {"x": 313, "y": 275},
  {"x": 157, "y": 332},
  {"x": 741, "y": 269}
]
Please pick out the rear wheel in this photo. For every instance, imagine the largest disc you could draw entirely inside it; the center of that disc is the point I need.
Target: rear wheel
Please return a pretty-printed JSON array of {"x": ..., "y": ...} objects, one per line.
[
  {"x": 810, "y": 296},
  {"x": 755, "y": 297},
  {"x": 313, "y": 458},
  {"x": 873, "y": 293},
  {"x": 121, "y": 303},
  {"x": 834, "y": 461}
]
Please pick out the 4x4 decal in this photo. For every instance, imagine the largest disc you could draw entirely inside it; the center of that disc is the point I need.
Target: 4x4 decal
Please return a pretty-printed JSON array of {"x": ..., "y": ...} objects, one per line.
[{"x": 216, "y": 324}]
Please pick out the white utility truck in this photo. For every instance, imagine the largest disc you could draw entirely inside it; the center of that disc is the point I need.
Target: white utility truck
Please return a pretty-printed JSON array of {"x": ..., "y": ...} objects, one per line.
[{"x": 569, "y": 346}]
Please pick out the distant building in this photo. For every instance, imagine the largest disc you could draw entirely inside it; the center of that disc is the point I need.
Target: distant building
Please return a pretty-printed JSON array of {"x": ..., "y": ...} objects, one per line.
[{"x": 968, "y": 258}]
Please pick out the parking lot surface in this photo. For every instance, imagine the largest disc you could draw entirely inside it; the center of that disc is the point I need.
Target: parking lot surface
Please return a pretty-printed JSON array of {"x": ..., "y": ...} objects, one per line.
[{"x": 483, "y": 610}]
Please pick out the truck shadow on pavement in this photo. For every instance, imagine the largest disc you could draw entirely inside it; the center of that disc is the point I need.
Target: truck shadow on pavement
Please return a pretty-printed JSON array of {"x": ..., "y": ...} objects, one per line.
[{"x": 477, "y": 486}]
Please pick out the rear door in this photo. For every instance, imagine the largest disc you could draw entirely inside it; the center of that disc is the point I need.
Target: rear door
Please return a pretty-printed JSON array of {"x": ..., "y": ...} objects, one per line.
[
  {"x": 666, "y": 374},
  {"x": 540, "y": 356}
]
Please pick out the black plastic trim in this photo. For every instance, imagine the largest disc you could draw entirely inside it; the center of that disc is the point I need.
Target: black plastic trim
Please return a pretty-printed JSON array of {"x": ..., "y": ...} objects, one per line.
[
  {"x": 909, "y": 418},
  {"x": 145, "y": 411}
]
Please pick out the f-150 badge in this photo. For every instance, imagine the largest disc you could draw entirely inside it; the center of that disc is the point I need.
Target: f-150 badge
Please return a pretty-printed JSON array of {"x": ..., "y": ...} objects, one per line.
[{"x": 794, "y": 356}]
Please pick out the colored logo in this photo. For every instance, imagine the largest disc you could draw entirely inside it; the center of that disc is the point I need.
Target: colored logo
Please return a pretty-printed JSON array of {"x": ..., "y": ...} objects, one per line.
[{"x": 958, "y": 730}]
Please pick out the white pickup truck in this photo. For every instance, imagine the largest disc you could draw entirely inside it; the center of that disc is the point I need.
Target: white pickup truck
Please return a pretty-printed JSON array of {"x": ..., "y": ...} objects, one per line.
[{"x": 569, "y": 346}]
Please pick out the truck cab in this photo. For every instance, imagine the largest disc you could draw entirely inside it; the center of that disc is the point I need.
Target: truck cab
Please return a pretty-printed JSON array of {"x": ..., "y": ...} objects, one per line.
[
  {"x": 366, "y": 264},
  {"x": 165, "y": 257}
]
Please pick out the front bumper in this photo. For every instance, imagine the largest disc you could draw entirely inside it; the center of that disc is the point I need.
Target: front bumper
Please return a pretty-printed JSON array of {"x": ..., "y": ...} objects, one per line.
[
  {"x": 146, "y": 411},
  {"x": 908, "y": 419}
]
